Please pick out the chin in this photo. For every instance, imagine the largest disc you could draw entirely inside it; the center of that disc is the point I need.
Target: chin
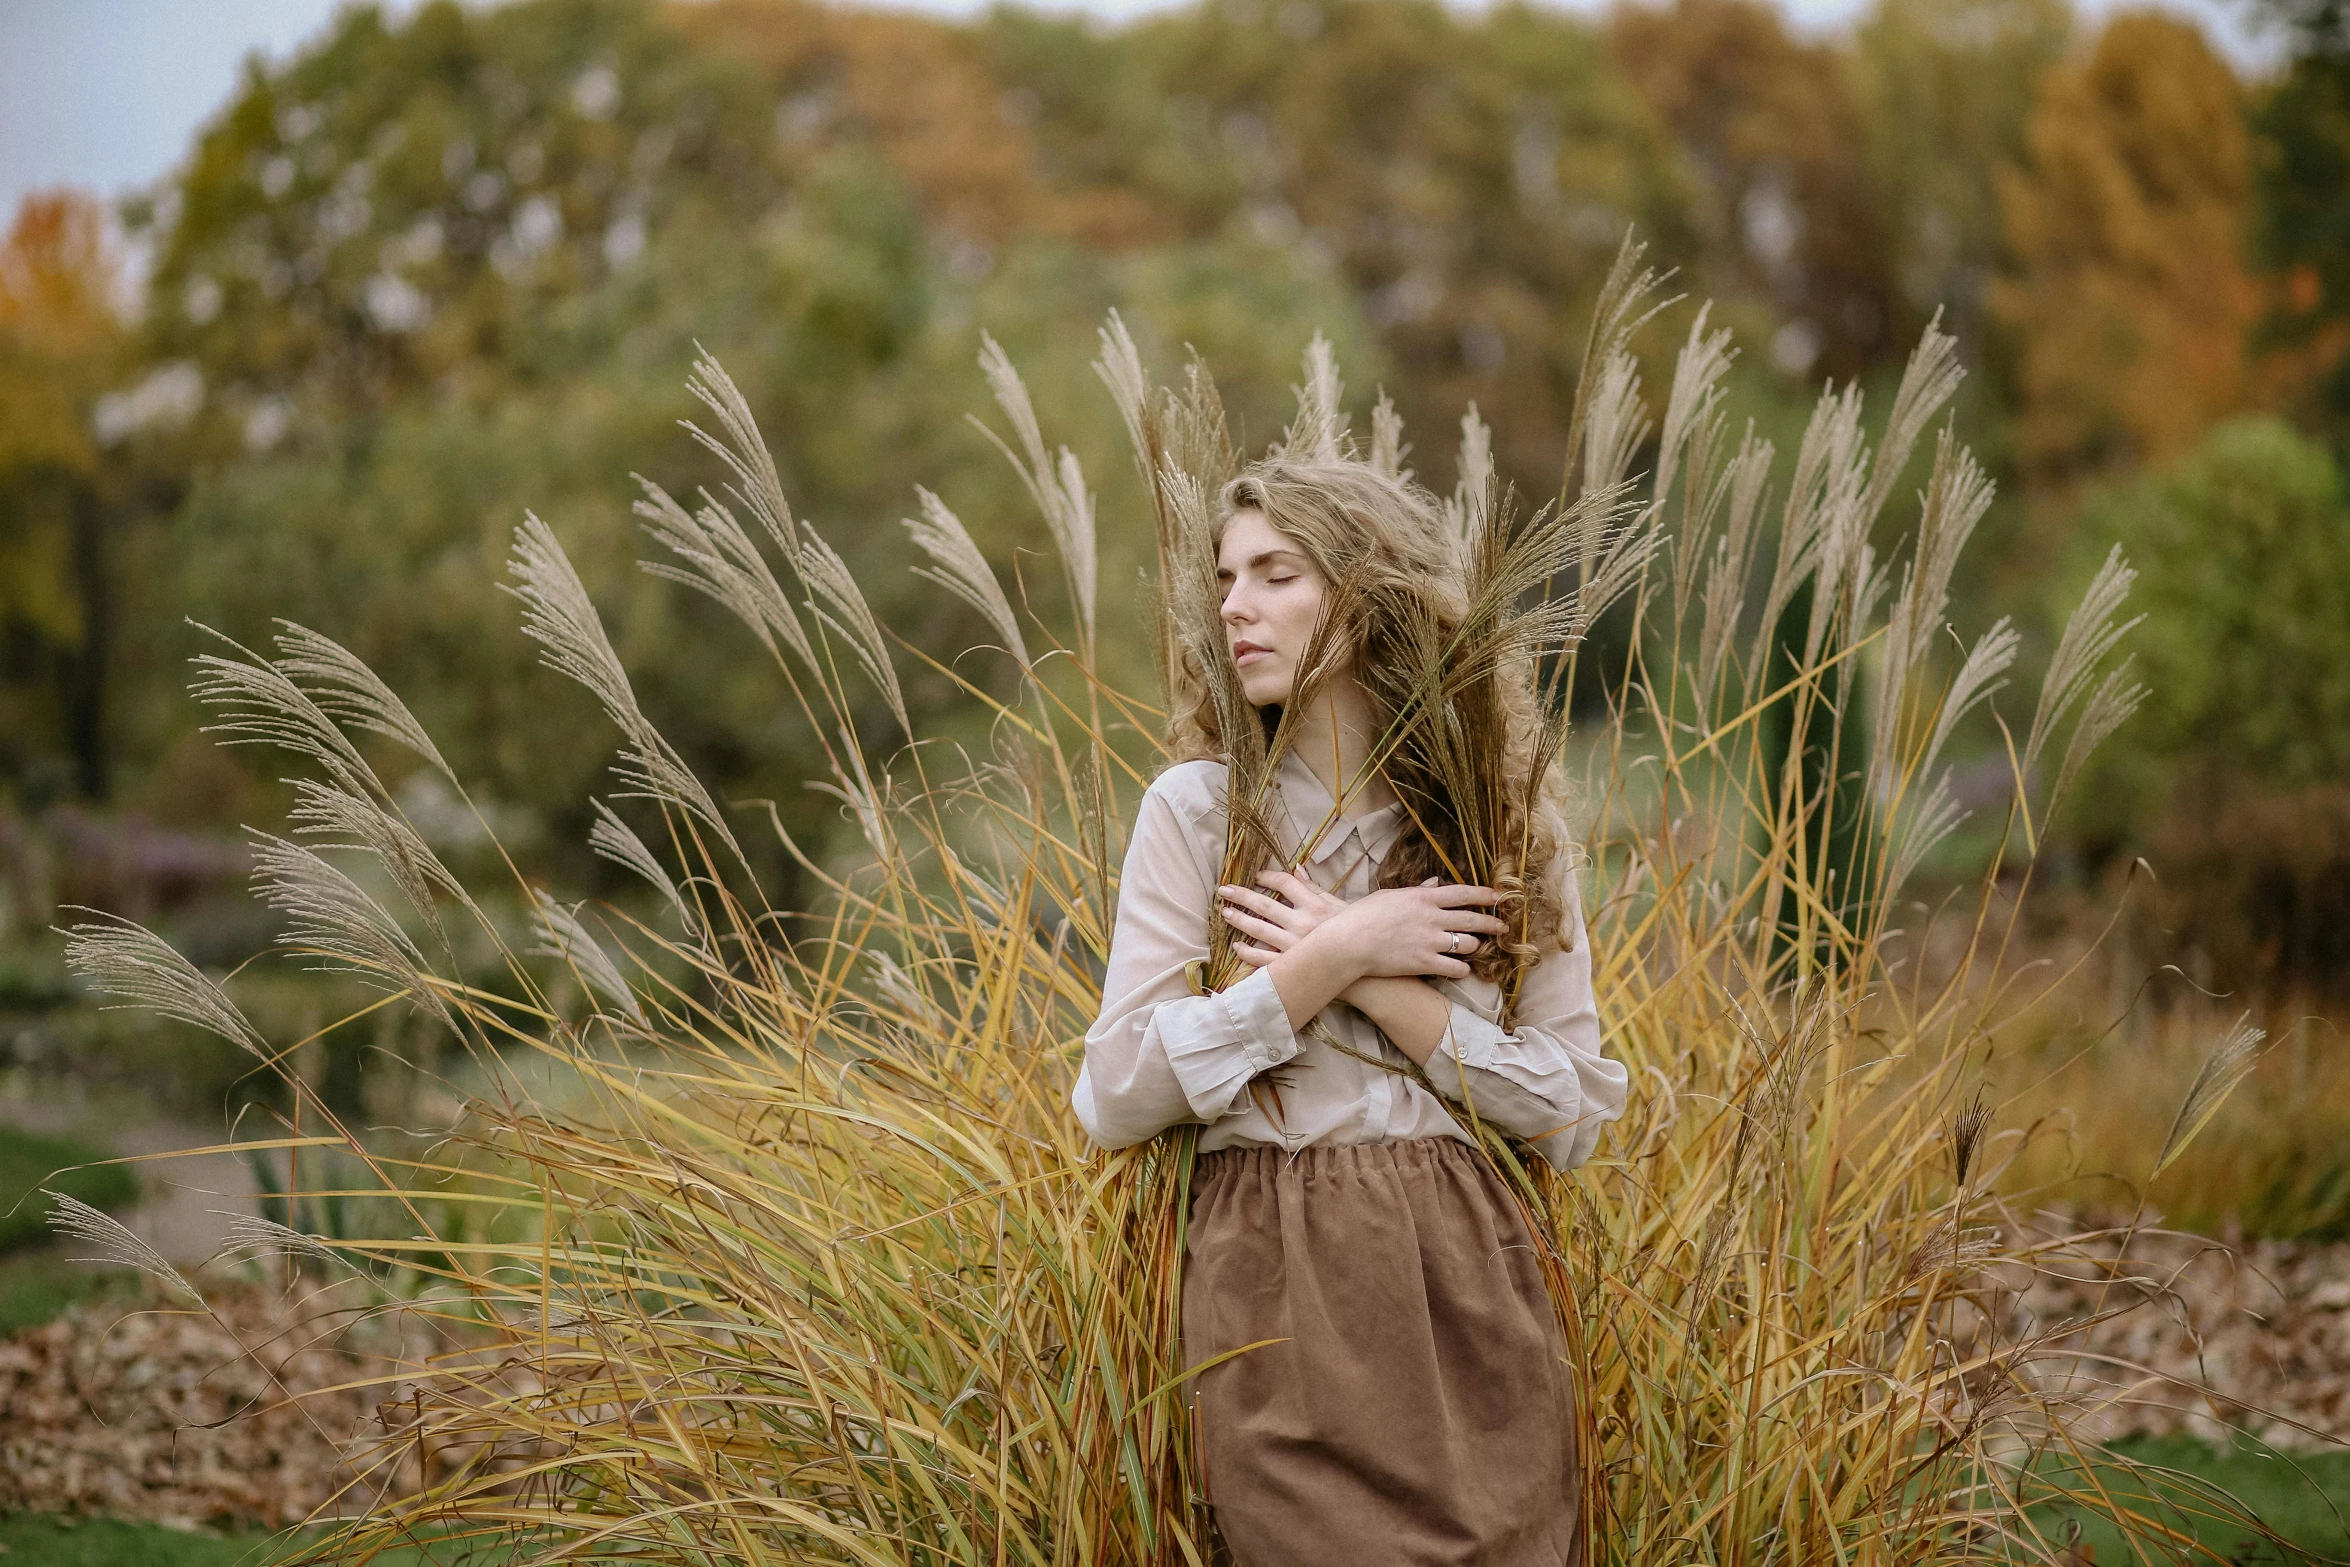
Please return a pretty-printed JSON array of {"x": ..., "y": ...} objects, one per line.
[{"x": 1265, "y": 690}]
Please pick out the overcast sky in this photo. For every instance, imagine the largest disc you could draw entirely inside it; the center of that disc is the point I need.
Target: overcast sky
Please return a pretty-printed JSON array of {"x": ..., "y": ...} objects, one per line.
[{"x": 106, "y": 94}]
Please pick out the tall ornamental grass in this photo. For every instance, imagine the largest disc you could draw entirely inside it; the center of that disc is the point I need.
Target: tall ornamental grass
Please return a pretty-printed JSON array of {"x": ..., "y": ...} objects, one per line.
[{"x": 767, "y": 1234}]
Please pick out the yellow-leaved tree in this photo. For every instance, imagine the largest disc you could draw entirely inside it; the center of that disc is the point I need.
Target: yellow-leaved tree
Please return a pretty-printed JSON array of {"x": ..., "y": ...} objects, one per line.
[{"x": 2128, "y": 298}]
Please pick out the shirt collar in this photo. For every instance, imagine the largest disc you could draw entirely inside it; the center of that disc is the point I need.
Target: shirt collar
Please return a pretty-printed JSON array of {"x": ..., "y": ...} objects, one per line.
[{"x": 1308, "y": 804}]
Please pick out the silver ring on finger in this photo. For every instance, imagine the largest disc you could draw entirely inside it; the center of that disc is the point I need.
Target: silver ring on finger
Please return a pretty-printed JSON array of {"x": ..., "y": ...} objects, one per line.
[{"x": 1452, "y": 943}]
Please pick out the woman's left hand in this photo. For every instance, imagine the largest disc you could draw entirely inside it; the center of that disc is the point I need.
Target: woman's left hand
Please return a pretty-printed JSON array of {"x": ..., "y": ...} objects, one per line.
[{"x": 1272, "y": 925}]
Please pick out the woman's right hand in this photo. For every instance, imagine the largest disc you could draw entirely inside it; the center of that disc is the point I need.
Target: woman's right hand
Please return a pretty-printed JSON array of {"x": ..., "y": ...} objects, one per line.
[{"x": 1429, "y": 931}]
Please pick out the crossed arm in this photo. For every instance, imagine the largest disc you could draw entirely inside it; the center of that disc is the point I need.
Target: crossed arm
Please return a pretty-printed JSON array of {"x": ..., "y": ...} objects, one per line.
[
  {"x": 1376, "y": 954},
  {"x": 1161, "y": 1052}
]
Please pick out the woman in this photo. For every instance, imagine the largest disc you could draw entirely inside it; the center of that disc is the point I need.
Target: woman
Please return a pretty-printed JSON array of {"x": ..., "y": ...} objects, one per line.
[{"x": 1418, "y": 1409}]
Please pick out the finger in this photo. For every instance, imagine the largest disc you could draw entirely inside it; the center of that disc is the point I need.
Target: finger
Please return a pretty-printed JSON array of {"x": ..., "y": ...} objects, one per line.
[
  {"x": 1252, "y": 900},
  {"x": 1254, "y": 957},
  {"x": 1474, "y": 924},
  {"x": 1300, "y": 892},
  {"x": 1263, "y": 930},
  {"x": 1449, "y": 968},
  {"x": 1460, "y": 896}
]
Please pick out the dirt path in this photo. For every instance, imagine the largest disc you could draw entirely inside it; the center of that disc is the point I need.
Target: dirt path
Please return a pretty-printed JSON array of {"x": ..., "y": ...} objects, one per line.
[{"x": 189, "y": 1202}]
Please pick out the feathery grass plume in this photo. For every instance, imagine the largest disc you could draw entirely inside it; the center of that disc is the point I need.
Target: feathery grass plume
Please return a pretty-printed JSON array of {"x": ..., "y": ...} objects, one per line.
[
  {"x": 963, "y": 571},
  {"x": 816, "y": 1266},
  {"x": 1922, "y": 822},
  {"x": 2089, "y": 634},
  {"x": 1928, "y": 381},
  {"x": 1692, "y": 407},
  {"x": 1732, "y": 561},
  {"x": 1616, "y": 315},
  {"x": 756, "y": 482},
  {"x": 563, "y": 937},
  {"x": 1691, "y": 450},
  {"x": 559, "y": 616},
  {"x": 1119, "y": 368},
  {"x": 259, "y": 703},
  {"x": 330, "y": 916},
  {"x": 1977, "y": 681},
  {"x": 1823, "y": 467},
  {"x": 2230, "y": 1060},
  {"x": 720, "y": 560},
  {"x": 618, "y": 842},
  {"x": 1058, "y": 488},
  {"x": 345, "y": 689},
  {"x": 1388, "y": 447},
  {"x": 326, "y": 811},
  {"x": 1468, "y": 509},
  {"x": 1617, "y": 424},
  {"x": 2109, "y": 707},
  {"x": 250, "y": 1235},
  {"x": 1318, "y": 432},
  {"x": 74, "y": 1219},
  {"x": 1958, "y": 493},
  {"x": 852, "y": 618},
  {"x": 126, "y": 960}
]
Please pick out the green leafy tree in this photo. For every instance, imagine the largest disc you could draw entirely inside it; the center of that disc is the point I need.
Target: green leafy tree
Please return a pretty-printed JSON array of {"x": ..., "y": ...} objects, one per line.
[
  {"x": 2231, "y": 780},
  {"x": 2245, "y": 649},
  {"x": 1785, "y": 201},
  {"x": 1466, "y": 176},
  {"x": 1946, "y": 88},
  {"x": 2304, "y": 225},
  {"x": 438, "y": 271}
]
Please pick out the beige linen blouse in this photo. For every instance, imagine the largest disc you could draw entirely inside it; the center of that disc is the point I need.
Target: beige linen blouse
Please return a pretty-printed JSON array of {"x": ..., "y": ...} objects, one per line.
[{"x": 1160, "y": 1055}]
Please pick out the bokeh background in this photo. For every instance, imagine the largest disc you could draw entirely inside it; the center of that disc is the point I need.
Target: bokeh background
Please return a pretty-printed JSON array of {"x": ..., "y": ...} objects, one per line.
[{"x": 302, "y": 308}]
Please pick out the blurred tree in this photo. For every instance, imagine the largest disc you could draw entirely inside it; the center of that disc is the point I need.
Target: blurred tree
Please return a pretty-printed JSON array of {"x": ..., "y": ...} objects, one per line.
[
  {"x": 432, "y": 274},
  {"x": 1787, "y": 209},
  {"x": 58, "y": 341},
  {"x": 2245, "y": 650},
  {"x": 1467, "y": 176},
  {"x": 2128, "y": 299},
  {"x": 1946, "y": 88},
  {"x": 2232, "y": 776},
  {"x": 2304, "y": 180},
  {"x": 963, "y": 142}
]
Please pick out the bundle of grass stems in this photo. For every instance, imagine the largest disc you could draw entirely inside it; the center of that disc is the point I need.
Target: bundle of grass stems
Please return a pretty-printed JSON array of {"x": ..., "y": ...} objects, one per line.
[{"x": 768, "y": 1235}]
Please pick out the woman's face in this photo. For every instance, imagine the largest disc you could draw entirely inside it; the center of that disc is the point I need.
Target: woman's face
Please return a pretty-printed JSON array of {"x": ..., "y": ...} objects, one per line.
[{"x": 1272, "y": 599}]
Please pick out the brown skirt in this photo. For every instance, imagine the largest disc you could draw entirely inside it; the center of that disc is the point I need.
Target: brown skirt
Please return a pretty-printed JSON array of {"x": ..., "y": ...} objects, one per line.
[{"x": 1421, "y": 1410}]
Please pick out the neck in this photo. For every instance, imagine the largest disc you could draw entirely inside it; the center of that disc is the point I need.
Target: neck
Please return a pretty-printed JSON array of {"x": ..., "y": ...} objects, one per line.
[{"x": 1334, "y": 737}]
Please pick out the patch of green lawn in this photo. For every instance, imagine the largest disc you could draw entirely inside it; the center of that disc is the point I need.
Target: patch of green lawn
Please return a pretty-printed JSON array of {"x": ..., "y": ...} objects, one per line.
[
  {"x": 2297, "y": 1496},
  {"x": 38, "y": 1286},
  {"x": 2304, "y": 1497},
  {"x": 50, "y": 1540},
  {"x": 55, "y": 1540},
  {"x": 30, "y": 1163}
]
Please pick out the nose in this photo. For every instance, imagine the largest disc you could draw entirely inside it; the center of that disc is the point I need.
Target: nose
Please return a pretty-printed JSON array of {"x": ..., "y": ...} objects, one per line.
[{"x": 1236, "y": 605}]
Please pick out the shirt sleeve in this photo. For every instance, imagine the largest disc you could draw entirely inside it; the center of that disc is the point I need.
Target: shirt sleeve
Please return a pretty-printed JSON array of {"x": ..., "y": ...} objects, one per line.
[
  {"x": 1545, "y": 1080},
  {"x": 1158, "y": 1054}
]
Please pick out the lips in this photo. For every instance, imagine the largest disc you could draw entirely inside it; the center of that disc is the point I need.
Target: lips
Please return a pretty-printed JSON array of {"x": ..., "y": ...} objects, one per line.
[{"x": 1247, "y": 653}]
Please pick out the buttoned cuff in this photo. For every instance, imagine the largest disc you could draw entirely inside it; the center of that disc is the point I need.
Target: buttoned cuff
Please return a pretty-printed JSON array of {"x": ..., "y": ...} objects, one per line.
[
  {"x": 1471, "y": 1040},
  {"x": 1235, "y": 1035}
]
